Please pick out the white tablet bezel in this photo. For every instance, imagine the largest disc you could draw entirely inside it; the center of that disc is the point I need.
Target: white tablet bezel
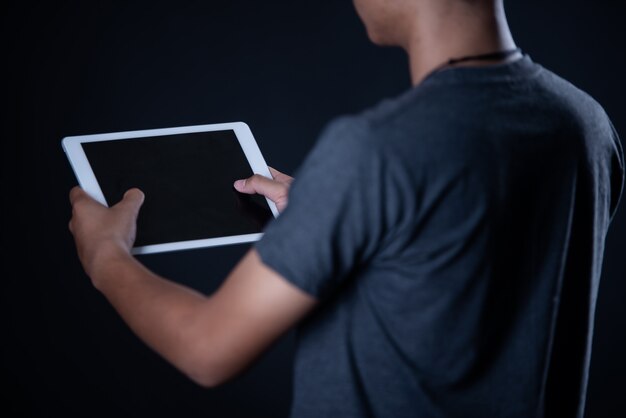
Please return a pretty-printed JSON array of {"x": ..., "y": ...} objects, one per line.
[{"x": 87, "y": 179}]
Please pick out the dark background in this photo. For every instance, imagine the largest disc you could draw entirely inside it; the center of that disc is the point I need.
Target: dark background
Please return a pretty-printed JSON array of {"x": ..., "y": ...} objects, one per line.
[{"x": 285, "y": 68}]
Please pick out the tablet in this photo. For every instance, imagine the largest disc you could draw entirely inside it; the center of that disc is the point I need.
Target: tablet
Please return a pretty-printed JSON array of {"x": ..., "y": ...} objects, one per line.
[{"x": 187, "y": 175}]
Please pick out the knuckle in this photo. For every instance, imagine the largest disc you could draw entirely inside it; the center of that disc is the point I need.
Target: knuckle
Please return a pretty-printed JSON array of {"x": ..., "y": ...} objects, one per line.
[
  {"x": 77, "y": 201},
  {"x": 75, "y": 192},
  {"x": 254, "y": 180}
]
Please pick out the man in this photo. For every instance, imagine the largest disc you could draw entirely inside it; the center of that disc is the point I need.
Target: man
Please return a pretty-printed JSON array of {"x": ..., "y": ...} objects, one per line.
[{"x": 445, "y": 247}]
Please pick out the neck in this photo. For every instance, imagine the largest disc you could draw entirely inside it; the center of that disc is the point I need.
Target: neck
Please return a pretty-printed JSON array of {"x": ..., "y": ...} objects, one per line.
[{"x": 447, "y": 32}]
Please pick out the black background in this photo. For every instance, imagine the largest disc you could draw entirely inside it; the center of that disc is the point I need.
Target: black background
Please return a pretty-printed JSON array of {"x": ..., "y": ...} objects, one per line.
[{"x": 284, "y": 67}]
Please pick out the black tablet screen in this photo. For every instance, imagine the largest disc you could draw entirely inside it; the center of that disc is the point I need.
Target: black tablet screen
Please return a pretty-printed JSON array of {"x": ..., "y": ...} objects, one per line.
[{"x": 188, "y": 183}]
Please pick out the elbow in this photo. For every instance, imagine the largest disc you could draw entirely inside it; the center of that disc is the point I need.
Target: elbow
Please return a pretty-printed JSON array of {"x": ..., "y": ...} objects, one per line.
[
  {"x": 204, "y": 380},
  {"x": 207, "y": 374},
  {"x": 207, "y": 362}
]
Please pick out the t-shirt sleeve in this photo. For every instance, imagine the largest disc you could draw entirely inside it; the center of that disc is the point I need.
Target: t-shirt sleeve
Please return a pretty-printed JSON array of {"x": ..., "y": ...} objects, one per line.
[{"x": 333, "y": 222}]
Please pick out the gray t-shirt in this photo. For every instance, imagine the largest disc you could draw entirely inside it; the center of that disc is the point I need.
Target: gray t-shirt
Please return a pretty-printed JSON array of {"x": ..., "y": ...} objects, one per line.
[{"x": 454, "y": 237}]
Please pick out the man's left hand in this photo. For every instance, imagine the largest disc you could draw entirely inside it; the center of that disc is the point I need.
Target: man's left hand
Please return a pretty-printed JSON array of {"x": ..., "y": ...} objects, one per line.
[{"x": 101, "y": 232}]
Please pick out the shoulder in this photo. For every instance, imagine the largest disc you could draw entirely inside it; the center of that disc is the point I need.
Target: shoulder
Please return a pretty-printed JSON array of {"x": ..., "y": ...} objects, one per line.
[
  {"x": 586, "y": 121},
  {"x": 577, "y": 106},
  {"x": 397, "y": 134},
  {"x": 373, "y": 128},
  {"x": 347, "y": 139},
  {"x": 565, "y": 90}
]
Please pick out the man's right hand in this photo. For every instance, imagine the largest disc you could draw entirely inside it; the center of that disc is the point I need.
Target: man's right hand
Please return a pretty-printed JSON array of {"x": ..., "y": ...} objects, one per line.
[{"x": 276, "y": 189}]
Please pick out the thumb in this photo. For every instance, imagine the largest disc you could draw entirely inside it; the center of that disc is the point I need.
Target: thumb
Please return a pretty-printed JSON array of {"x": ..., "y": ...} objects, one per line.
[
  {"x": 132, "y": 200},
  {"x": 257, "y": 183}
]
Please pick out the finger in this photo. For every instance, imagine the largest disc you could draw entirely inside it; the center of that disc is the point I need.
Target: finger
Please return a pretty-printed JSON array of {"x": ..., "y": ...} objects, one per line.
[
  {"x": 131, "y": 201},
  {"x": 261, "y": 185},
  {"x": 280, "y": 176},
  {"x": 76, "y": 193}
]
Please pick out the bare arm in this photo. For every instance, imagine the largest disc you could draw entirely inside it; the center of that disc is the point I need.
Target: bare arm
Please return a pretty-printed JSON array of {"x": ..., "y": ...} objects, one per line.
[{"x": 210, "y": 339}]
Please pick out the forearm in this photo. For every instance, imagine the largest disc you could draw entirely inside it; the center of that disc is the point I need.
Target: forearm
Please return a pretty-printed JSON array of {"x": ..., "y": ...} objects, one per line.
[
  {"x": 210, "y": 339},
  {"x": 162, "y": 313}
]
